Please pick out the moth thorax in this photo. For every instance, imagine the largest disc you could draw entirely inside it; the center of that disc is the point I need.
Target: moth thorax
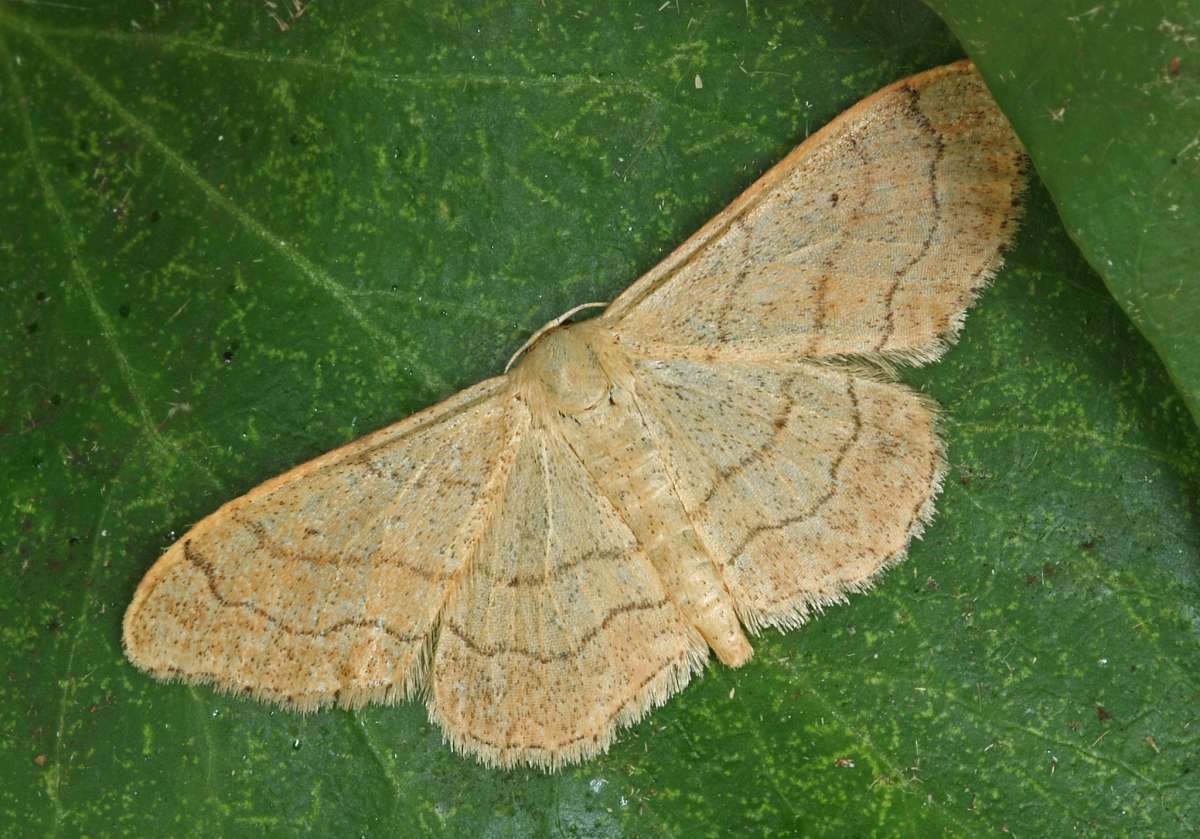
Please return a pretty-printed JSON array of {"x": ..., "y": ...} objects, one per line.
[{"x": 562, "y": 372}]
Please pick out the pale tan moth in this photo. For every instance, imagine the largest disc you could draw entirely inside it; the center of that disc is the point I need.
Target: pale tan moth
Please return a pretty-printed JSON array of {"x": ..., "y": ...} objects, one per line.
[{"x": 547, "y": 555}]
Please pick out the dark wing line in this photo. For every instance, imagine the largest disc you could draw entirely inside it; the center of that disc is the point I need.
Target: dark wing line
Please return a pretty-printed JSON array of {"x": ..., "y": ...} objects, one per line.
[
  {"x": 197, "y": 560},
  {"x": 813, "y": 508},
  {"x": 552, "y": 574},
  {"x": 839, "y": 245},
  {"x": 913, "y": 107},
  {"x": 743, "y": 272},
  {"x": 816, "y": 506},
  {"x": 517, "y": 431},
  {"x": 798, "y": 363},
  {"x": 779, "y": 425},
  {"x": 491, "y": 650},
  {"x": 265, "y": 543},
  {"x": 931, "y": 481},
  {"x": 192, "y": 555},
  {"x": 666, "y": 269},
  {"x": 388, "y": 508},
  {"x": 638, "y": 552}
]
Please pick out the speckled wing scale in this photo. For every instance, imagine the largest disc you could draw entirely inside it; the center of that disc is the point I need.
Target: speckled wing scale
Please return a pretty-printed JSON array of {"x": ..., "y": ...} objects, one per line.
[
  {"x": 549, "y": 554},
  {"x": 562, "y": 630},
  {"x": 324, "y": 585}
]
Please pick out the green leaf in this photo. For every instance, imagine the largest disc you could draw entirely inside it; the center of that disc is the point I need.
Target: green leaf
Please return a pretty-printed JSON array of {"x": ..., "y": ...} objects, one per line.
[
  {"x": 1106, "y": 97},
  {"x": 230, "y": 246}
]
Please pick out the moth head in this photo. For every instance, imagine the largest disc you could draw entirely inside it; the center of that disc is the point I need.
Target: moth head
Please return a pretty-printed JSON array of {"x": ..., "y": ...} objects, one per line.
[{"x": 562, "y": 372}]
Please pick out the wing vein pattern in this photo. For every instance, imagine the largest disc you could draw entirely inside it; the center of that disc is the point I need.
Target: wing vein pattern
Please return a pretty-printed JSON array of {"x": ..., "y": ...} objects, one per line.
[{"x": 546, "y": 556}]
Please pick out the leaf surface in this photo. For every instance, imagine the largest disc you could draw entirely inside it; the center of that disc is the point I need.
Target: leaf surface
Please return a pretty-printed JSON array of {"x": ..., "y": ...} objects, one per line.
[{"x": 1106, "y": 98}]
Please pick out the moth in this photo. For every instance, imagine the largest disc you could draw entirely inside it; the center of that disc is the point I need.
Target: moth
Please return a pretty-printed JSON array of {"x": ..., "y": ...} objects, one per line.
[{"x": 549, "y": 554}]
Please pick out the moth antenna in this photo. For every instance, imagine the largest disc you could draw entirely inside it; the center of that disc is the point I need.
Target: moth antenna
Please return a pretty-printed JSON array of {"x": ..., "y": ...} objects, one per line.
[{"x": 558, "y": 321}]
